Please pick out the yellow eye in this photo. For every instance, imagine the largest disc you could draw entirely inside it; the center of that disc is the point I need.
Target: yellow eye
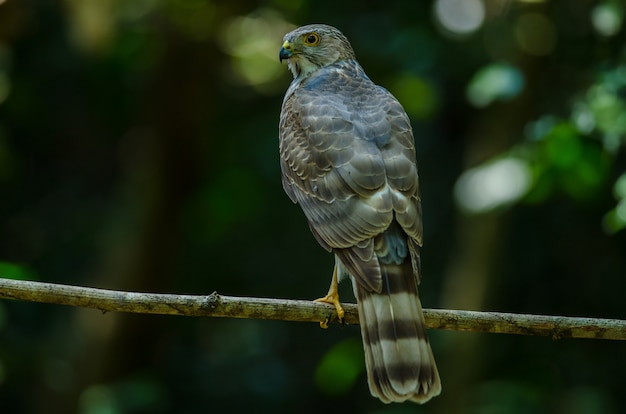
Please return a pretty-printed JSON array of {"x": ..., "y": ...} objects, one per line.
[{"x": 312, "y": 39}]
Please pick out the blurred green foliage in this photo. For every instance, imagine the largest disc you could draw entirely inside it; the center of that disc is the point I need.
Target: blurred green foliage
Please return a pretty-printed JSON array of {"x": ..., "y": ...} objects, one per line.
[
  {"x": 138, "y": 151},
  {"x": 340, "y": 367},
  {"x": 16, "y": 271}
]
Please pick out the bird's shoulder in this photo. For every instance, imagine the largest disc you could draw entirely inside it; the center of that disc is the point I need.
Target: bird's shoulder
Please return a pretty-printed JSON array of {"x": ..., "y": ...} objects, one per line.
[{"x": 345, "y": 80}]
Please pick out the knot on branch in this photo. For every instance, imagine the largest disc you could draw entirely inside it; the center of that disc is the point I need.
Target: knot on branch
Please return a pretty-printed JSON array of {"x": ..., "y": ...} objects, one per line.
[{"x": 213, "y": 300}]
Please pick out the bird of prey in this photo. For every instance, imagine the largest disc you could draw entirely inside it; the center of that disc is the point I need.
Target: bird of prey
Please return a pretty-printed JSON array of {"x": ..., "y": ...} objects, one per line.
[{"x": 348, "y": 158}]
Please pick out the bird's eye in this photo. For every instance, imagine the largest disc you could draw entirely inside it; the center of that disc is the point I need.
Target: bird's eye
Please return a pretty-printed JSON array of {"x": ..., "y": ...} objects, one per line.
[{"x": 312, "y": 39}]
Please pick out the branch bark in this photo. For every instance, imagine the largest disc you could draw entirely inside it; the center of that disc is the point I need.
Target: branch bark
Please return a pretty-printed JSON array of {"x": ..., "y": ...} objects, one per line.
[{"x": 216, "y": 305}]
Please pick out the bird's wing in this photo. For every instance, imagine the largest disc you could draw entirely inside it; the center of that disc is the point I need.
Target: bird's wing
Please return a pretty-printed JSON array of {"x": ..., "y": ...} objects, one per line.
[{"x": 348, "y": 158}]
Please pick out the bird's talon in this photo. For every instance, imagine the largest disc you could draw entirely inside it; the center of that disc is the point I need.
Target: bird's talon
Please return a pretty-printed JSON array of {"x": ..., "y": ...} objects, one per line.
[
  {"x": 332, "y": 300},
  {"x": 340, "y": 312},
  {"x": 324, "y": 323}
]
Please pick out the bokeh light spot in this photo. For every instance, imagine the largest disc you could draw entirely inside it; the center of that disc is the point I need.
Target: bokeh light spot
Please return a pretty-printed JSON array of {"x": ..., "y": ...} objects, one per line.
[
  {"x": 253, "y": 41},
  {"x": 583, "y": 118},
  {"x": 619, "y": 188},
  {"x": 607, "y": 19},
  {"x": 460, "y": 16},
  {"x": 494, "y": 82},
  {"x": 492, "y": 185},
  {"x": 92, "y": 23}
]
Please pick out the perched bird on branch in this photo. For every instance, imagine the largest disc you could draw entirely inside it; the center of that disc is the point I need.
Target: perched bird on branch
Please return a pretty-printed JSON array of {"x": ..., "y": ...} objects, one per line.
[{"x": 348, "y": 158}]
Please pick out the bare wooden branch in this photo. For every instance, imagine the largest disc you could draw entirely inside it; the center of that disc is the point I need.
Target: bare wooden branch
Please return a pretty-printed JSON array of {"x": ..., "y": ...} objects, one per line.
[{"x": 216, "y": 305}]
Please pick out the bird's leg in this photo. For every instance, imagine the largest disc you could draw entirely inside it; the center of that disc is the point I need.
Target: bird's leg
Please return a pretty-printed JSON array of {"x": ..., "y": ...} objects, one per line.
[{"x": 332, "y": 297}]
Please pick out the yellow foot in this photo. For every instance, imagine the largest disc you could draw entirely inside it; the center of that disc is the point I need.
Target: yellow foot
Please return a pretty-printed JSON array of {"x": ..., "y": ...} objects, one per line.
[{"x": 332, "y": 297}]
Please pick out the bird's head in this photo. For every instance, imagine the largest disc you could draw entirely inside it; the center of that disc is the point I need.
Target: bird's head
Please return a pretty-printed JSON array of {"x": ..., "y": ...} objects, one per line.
[{"x": 309, "y": 48}]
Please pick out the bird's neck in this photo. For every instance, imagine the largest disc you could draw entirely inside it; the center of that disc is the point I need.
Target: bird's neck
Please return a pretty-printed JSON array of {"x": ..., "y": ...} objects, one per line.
[{"x": 302, "y": 68}]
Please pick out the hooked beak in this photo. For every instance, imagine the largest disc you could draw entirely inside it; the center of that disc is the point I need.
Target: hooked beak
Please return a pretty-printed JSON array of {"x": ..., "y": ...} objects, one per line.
[{"x": 286, "y": 51}]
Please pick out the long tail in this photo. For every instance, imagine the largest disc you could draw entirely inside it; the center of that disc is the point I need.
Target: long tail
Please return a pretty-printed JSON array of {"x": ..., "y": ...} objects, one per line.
[{"x": 399, "y": 360}]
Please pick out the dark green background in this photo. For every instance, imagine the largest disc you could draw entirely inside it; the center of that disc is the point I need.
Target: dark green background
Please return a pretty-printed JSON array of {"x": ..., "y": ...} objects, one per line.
[{"x": 138, "y": 151}]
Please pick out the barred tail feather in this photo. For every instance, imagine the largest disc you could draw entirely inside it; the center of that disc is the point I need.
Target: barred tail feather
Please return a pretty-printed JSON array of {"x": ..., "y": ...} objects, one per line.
[{"x": 399, "y": 360}]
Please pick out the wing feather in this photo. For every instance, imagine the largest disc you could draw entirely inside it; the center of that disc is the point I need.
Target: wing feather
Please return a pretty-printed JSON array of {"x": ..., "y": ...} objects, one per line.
[{"x": 348, "y": 158}]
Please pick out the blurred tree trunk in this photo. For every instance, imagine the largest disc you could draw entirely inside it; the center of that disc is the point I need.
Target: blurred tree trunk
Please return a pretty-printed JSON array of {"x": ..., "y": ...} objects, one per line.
[{"x": 161, "y": 158}]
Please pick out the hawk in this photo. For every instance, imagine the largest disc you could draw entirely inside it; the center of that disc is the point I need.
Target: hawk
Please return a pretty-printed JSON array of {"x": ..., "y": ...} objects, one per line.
[{"x": 348, "y": 158}]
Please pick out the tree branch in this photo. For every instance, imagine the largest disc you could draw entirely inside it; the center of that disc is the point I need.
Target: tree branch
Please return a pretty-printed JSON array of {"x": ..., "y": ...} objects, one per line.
[{"x": 217, "y": 305}]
